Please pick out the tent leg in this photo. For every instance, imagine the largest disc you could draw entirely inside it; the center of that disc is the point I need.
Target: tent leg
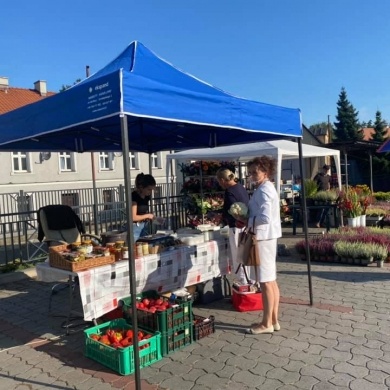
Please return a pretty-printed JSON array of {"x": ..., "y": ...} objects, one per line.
[{"x": 305, "y": 227}]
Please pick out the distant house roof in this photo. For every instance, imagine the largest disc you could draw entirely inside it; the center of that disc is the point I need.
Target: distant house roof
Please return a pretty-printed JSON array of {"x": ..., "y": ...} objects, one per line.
[
  {"x": 12, "y": 98},
  {"x": 368, "y": 133}
]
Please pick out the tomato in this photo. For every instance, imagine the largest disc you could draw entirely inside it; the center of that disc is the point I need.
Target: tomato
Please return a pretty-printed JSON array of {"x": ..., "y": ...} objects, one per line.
[
  {"x": 140, "y": 335},
  {"x": 126, "y": 342},
  {"x": 152, "y": 309},
  {"x": 105, "y": 340},
  {"x": 129, "y": 333},
  {"x": 94, "y": 337},
  {"x": 159, "y": 302},
  {"x": 146, "y": 302}
]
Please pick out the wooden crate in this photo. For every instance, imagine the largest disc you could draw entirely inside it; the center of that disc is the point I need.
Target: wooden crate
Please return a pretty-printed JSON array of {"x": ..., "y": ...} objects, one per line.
[{"x": 56, "y": 260}]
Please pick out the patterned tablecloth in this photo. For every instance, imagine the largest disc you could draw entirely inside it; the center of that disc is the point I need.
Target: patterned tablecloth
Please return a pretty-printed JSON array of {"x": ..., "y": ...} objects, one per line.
[{"x": 102, "y": 287}]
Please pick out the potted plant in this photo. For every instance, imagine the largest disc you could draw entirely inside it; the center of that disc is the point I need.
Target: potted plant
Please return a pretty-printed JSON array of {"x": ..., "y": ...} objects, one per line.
[
  {"x": 379, "y": 253},
  {"x": 326, "y": 197},
  {"x": 344, "y": 249},
  {"x": 374, "y": 215},
  {"x": 311, "y": 188},
  {"x": 349, "y": 203}
]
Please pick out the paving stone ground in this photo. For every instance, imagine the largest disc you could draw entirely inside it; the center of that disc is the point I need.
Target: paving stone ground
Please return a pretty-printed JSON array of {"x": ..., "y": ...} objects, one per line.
[{"x": 340, "y": 342}]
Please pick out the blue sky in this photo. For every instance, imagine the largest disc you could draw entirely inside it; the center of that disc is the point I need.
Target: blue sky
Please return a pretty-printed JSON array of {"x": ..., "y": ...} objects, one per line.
[{"x": 293, "y": 53}]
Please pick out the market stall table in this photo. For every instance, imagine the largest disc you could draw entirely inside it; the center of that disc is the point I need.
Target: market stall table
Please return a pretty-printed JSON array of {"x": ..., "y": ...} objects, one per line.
[{"x": 102, "y": 287}]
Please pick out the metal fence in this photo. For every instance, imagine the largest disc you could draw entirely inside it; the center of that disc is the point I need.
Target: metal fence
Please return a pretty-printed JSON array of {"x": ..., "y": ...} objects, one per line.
[{"x": 19, "y": 225}]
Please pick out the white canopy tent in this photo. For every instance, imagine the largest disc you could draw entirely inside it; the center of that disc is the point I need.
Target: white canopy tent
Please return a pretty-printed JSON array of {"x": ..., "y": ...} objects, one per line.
[{"x": 281, "y": 150}]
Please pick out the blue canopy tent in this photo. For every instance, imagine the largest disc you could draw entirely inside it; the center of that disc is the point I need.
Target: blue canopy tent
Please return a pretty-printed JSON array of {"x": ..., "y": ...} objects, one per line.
[
  {"x": 140, "y": 102},
  {"x": 164, "y": 108},
  {"x": 385, "y": 147}
]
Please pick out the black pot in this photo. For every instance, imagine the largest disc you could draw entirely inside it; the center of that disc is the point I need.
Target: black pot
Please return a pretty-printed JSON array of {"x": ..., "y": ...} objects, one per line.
[{"x": 114, "y": 235}]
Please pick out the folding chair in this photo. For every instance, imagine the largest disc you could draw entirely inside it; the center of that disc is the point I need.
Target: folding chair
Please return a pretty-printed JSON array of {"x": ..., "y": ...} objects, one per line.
[{"x": 59, "y": 224}]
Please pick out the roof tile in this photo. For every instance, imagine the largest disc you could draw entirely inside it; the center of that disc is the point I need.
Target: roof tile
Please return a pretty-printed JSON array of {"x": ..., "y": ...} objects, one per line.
[{"x": 13, "y": 98}]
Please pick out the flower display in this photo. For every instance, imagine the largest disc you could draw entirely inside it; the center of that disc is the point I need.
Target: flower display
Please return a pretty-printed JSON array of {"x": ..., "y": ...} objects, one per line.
[
  {"x": 211, "y": 218},
  {"x": 206, "y": 167},
  {"x": 195, "y": 204},
  {"x": 349, "y": 202},
  {"x": 238, "y": 209},
  {"x": 365, "y": 196}
]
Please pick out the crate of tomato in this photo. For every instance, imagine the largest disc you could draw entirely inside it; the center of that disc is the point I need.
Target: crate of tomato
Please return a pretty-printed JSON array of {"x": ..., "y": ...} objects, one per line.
[
  {"x": 111, "y": 344},
  {"x": 157, "y": 313}
]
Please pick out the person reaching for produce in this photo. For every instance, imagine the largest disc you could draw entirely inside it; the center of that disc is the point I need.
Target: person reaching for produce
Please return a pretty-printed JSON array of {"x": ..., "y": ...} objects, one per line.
[{"x": 234, "y": 193}]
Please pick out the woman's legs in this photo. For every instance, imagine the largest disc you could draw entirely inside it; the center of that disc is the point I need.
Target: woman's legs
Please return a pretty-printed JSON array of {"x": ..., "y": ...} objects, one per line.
[{"x": 268, "y": 284}]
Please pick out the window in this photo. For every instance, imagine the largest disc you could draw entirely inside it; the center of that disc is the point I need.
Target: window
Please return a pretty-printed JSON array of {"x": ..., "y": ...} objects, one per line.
[
  {"x": 20, "y": 162},
  {"x": 134, "y": 163},
  {"x": 106, "y": 161},
  {"x": 66, "y": 162},
  {"x": 156, "y": 160}
]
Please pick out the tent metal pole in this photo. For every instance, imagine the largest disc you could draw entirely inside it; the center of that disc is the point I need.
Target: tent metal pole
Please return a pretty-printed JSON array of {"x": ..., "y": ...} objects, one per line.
[
  {"x": 95, "y": 195},
  {"x": 304, "y": 216},
  {"x": 346, "y": 167},
  {"x": 371, "y": 179},
  {"x": 130, "y": 240}
]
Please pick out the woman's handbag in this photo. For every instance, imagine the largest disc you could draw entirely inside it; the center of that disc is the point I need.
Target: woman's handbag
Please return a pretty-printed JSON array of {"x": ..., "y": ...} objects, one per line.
[{"x": 247, "y": 252}]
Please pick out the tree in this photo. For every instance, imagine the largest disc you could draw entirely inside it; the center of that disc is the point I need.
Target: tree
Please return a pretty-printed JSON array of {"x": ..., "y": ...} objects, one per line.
[
  {"x": 380, "y": 127},
  {"x": 318, "y": 128},
  {"x": 65, "y": 87},
  {"x": 347, "y": 128}
]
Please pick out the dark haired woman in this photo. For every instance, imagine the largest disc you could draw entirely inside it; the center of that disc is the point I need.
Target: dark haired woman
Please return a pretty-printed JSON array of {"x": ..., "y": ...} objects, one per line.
[{"x": 144, "y": 186}]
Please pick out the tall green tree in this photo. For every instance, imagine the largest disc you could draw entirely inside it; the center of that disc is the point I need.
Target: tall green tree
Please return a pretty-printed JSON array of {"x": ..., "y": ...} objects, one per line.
[
  {"x": 347, "y": 127},
  {"x": 380, "y": 127}
]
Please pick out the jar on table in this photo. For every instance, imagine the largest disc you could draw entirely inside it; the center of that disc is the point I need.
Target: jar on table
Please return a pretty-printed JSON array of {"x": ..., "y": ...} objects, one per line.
[
  {"x": 119, "y": 244},
  {"x": 145, "y": 248},
  {"x": 111, "y": 247},
  {"x": 138, "y": 250},
  {"x": 88, "y": 245},
  {"x": 125, "y": 253},
  {"x": 118, "y": 254},
  {"x": 75, "y": 245}
]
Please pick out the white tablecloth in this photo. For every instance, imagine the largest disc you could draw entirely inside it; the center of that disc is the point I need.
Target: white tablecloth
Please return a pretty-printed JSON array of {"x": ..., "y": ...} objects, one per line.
[{"x": 102, "y": 287}]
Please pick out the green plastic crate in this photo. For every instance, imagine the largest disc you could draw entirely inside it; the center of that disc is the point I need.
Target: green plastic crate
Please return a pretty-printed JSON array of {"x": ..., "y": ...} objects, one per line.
[
  {"x": 121, "y": 360},
  {"x": 164, "y": 321},
  {"x": 174, "y": 340}
]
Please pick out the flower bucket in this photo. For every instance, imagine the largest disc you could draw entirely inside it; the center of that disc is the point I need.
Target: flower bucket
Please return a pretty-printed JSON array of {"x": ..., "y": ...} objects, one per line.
[
  {"x": 353, "y": 222},
  {"x": 363, "y": 220}
]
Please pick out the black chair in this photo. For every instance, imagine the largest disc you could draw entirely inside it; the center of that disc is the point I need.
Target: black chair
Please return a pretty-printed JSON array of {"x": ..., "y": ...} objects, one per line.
[{"x": 59, "y": 224}]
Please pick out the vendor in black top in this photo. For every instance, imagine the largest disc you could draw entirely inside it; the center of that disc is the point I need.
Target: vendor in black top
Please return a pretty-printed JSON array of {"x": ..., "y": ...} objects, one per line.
[
  {"x": 323, "y": 180},
  {"x": 144, "y": 186},
  {"x": 234, "y": 192}
]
